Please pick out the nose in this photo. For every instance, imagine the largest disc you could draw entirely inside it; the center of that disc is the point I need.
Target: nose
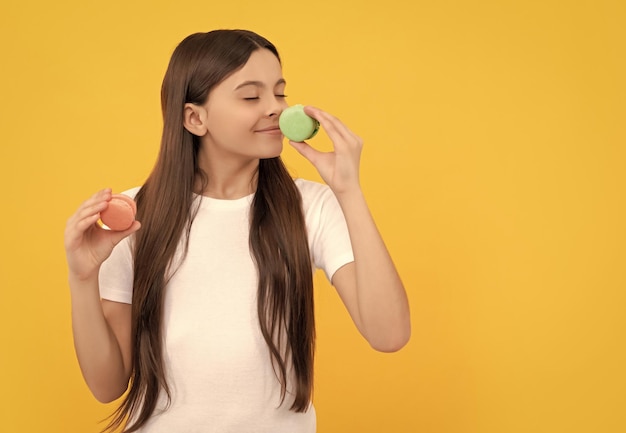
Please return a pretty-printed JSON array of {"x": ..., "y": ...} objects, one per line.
[{"x": 276, "y": 107}]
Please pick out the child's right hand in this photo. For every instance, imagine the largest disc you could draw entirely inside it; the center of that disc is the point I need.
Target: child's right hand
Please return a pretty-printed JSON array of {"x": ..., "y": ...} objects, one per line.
[{"x": 87, "y": 245}]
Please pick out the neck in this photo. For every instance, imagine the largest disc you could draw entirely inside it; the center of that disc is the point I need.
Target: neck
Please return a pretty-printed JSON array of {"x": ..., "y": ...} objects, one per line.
[{"x": 228, "y": 180}]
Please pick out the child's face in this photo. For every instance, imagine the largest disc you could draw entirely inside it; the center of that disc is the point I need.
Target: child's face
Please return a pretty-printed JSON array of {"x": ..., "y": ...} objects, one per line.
[{"x": 242, "y": 111}]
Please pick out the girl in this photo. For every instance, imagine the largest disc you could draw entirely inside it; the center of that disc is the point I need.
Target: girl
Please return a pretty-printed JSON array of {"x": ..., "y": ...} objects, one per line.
[{"x": 203, "y": 312}]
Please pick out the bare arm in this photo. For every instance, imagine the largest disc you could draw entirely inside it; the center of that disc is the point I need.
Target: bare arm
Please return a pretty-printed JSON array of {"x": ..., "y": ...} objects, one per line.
[
  {"x": 102, "y": 340},
  {"x": 370, "y": 287},
  {"x": 101, "y": 328}
]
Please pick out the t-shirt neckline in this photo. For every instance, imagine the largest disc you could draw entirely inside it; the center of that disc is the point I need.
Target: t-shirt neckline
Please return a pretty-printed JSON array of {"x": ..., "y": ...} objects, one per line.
[{"x": 220, "y": 203}]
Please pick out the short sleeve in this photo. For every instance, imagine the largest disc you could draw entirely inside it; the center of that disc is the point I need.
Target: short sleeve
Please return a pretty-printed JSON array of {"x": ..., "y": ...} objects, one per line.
[
  {"x": 329, "y": 240},
  {"x": 116, "y": 273}
]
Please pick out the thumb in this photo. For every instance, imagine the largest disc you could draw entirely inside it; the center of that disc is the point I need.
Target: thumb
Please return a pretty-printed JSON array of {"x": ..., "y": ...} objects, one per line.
[
  {"x": 305, "y": 150},
  {"x": 118, "y": 236}
]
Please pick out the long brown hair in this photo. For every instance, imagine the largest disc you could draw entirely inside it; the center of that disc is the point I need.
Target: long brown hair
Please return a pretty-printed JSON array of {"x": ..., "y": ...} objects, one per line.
[{"x": 165, "y": 207}]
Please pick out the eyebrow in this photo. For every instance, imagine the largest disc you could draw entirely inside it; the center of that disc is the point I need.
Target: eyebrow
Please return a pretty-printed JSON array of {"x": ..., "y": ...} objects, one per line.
[{"x": 258, "y": 83}]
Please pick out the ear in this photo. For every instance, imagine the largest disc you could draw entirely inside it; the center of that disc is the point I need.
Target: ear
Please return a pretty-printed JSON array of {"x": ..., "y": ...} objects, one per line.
[{"x": 194, "y": 118}]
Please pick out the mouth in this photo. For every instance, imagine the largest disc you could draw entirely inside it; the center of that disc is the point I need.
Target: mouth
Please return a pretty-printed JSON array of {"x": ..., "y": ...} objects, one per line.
[{"x": 270, "y": 130}]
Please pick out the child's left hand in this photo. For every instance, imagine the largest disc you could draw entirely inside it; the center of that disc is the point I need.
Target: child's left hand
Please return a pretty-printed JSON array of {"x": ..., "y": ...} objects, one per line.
[{"x": 340, "y": 168}]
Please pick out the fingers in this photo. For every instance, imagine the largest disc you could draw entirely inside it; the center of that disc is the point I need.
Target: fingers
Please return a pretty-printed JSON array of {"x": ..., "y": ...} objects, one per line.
[
  {"x": 88, "y": 245},
  {"x": 93, "y": 205},
  {"x": 86, "y": 215},
  {"x": 117, "y": 236},
  {"x": 335, "y": 129}
]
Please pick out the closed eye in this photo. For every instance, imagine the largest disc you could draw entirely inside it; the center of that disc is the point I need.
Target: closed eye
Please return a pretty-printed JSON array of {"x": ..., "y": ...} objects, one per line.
[{"x": 256, "y": 97}]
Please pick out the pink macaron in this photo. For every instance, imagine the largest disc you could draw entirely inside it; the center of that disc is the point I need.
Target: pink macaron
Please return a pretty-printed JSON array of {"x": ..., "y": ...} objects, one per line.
[{"x": 120, "y": 214}]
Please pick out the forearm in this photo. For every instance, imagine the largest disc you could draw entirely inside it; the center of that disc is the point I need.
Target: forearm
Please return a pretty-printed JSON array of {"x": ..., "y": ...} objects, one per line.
[
  {"x": 383, "y": 311},
  {"x": 98, "y": 352},
  {"x": 370, "y": 288}
]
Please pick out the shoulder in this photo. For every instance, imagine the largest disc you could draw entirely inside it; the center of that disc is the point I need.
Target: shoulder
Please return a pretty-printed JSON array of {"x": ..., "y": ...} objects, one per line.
[
  {"x": 313, "y": 192},
  {"x": 318, "y": 200},
  {"x": 132, "y": 192},
  {"x": 329, "y": 240}
]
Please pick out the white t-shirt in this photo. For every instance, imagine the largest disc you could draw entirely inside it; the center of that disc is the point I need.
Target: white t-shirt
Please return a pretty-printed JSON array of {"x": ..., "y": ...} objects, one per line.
[{"x": 218, "y": 365}]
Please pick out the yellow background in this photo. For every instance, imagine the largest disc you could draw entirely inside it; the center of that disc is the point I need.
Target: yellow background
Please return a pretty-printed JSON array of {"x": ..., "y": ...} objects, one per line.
[{"x": 494, "y": 164}]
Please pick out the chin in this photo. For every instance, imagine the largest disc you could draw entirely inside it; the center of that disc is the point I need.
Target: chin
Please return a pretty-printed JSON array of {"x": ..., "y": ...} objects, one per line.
[{"x": 272, "y": 152}]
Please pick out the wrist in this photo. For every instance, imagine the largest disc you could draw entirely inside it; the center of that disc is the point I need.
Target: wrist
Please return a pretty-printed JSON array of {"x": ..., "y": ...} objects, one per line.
[
  {"x": 350, "y": 195},
  {"x": 80, "y": 279}
]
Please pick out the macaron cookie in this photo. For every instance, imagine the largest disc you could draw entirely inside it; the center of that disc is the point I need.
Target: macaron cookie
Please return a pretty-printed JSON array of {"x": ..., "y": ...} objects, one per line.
[
  {"x": 296, "y": 125},
  {"x": 120, "y": 213}
]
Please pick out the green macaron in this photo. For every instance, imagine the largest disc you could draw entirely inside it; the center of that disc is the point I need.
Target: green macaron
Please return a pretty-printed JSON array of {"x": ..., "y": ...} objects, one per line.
[{"x": 296, "y": 125}]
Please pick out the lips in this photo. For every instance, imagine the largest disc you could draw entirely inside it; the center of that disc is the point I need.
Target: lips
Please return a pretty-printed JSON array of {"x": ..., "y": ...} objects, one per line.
[
  {"x": 272, "y": 131},
  {"x": 269, "y": 129}
]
